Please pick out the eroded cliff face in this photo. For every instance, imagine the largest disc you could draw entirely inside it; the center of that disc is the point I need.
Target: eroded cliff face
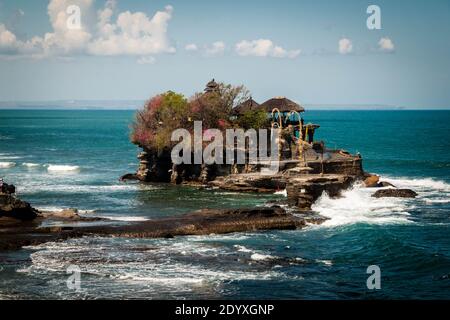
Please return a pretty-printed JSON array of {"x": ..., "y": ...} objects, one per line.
[
  {"x": 158, "y": 167},
  {"x": 304, "y": 181}
]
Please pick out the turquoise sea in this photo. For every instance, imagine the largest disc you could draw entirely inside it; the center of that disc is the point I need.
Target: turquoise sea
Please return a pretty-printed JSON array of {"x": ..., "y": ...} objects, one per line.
[{"x": 73, "y": 159}]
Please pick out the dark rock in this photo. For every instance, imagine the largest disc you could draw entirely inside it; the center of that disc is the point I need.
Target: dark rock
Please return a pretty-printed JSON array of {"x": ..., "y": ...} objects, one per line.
[
  {"x": 67, "y": 215},
  {"x": 384, "y": 184},
  {"x": 13, "y": 207},
  {"x": 399, "y": 193},
  {"x": 302, "y": 192},
  {"x": 129, "y": 176},
  {"x": 202, "y": 222},
  {"x": 7, "y": 188}
]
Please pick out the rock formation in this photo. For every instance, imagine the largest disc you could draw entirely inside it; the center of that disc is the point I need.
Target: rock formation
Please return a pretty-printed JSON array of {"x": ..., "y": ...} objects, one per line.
[
  {"x": 12, "y": 207},
  {"x": 399, "y": 193}
]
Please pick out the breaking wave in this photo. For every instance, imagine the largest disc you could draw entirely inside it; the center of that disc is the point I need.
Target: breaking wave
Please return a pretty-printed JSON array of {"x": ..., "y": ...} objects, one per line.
[
  {"x": 30, "y": 165},
  {"x": 126, "y": 218},
  {"x": 62, "y": 168},
  {"x": 5, "y": 165},
  {"x": 358, "y": 206}
]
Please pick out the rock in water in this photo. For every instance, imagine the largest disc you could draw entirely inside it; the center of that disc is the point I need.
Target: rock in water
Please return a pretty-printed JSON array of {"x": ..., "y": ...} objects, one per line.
[
  {"x": 13, "y": 207},
  {"x": 386, "y": 184},
  {"x": 399, "y": 193},
  {"x": 371, "y": 181}
]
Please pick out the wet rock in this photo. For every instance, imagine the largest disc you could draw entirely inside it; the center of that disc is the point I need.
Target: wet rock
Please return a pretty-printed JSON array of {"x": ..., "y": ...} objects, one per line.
[
  {"x": 383, "y": 184},
  {"x": 12, "y": 207},
  {"x": 250, "y": 183},
  {"x": 66, "y": 215},
  {"x": 371, "y": 181},
  {"x": 129, "y": 176},
  {"x": 398, "y": 193},
  {"x": 302, "y": 192},
  {"x": 202, "y": 222}
]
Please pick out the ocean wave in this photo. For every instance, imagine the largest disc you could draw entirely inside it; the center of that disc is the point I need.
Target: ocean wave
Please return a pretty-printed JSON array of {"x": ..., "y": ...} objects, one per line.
[
  {"x": 358, "y": 206},
  {"x": 6, "y": 165},
  {"x": 261, "y": 257},
  {"x": 125, "y": 218},
  {"x": 167, "y": 265},
  {"x": 437, "y": 200},
  {"x": 30, "y": 165},
  {"x": 420, "y": 184},
  {"x": 281, "y": 193},
  {"x": 68, "y": 189},
  {"x": 62, "y": 168}
]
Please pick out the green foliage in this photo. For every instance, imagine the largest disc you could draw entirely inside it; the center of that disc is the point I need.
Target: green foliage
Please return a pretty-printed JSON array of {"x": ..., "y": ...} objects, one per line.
[{"x": 253, "y": 119}]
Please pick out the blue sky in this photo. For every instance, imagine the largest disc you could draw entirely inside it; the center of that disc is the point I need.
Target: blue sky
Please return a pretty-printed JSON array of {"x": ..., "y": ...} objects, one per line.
[{"x": 275, "y": 48}]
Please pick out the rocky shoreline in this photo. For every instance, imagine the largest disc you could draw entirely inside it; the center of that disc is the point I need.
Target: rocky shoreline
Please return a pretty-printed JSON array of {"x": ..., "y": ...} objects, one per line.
[
  {"x": 55, "y": 226},
  {"x": 303, "y": 181}
]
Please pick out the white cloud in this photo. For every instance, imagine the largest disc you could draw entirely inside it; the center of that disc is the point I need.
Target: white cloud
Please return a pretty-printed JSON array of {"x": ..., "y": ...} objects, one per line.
[
  {"x": 215, "y": 49},
  {"x": 7, "y": 39},
  {"x": 134, "y": 34},
  {"x": 263, "y": 48},
  {"x": 146, "y": 60},
  {"x": 191, "y": 47},
  {"x": 345, "y": 46},
  {"x": 386, "y": 45}
]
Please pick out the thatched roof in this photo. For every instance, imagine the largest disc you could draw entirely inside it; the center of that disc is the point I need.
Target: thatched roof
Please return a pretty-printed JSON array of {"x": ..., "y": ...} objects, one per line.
[
  {"x": 283, "y": 104},
  {"x": 248, "y": 105}
]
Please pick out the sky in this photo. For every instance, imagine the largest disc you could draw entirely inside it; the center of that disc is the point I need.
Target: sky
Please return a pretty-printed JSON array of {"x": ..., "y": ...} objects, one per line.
[{"x": 313, "y": 52}]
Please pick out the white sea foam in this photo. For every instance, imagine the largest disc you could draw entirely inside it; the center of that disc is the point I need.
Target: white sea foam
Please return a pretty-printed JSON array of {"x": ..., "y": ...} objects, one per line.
[
  {"x": 260, "y": 257},
  {"x": 437, "y": 200},
  {"x": 282, "y": 193},
  {"x": 30, "y": 165},
  {"x": 418, "y": 184},
  {"x": 62, "y": 168},
  {"x": 242, "y": 248},
  {"x": 126, "y": 218},
  {"x": 328, "y": 263},
  {"x": 86, "y": 211},
  {"x": 50, "y": 208},
  {"x": 36, "y": 187},
  {"x": 357, "y": 204},
  {"x": 162, "y": 264},
  {"x": 6, "y": 165}
]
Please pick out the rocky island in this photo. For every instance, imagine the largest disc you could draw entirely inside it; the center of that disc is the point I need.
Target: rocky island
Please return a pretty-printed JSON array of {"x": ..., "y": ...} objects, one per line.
[{"x": 306, "y": 169}]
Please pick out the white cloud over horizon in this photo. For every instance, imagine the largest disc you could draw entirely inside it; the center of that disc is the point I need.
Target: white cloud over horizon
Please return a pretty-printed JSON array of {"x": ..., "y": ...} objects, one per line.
[
  {"x": 386, "y": 45},
  {"x": 191, "y": 47},
  {"x": 345, "y": 46},
  {"x": 215, "y": 49},
  {"x": 264, "y": 48}
]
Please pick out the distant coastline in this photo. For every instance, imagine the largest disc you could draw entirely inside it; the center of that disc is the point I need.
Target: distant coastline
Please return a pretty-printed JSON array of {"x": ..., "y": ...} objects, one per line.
[{"x": 136, "y": 104}]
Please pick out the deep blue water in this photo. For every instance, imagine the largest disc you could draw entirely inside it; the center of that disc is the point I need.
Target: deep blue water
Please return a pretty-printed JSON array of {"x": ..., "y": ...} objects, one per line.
[{"x": 61, "y": 159}]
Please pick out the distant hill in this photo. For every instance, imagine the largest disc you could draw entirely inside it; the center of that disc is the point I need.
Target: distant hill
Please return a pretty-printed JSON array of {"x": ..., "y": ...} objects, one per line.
[{"x": 136, "y": 104}]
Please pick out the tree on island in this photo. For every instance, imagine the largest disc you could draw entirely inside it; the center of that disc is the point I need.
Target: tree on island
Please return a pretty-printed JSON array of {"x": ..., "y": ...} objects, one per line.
[{"x": 162, "y": 114}]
